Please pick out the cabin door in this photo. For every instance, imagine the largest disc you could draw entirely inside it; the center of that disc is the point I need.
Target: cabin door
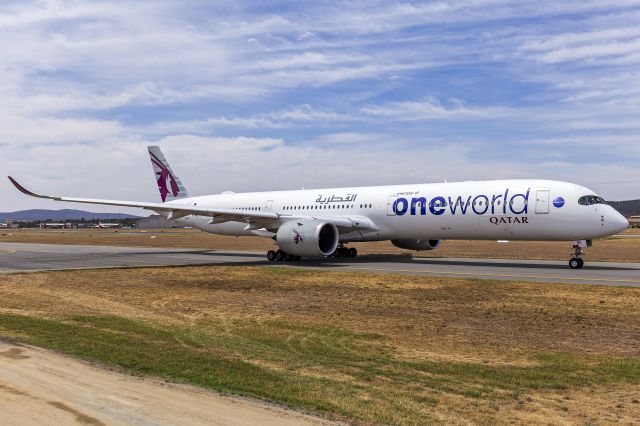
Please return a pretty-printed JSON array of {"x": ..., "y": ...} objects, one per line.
[{"x": 542, "y": 201}]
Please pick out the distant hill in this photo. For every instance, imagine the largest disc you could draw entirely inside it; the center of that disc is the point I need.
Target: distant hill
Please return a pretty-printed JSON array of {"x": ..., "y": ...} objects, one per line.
[
  {"x": 60, "y": 215},
  {"x": 627, "y": 208}
]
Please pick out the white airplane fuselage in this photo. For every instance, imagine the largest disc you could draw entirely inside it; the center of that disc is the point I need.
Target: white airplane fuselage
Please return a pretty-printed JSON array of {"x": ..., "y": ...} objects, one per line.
[
  {"x": 478, "y": 210},
  {"x": 318, "y": 222}
]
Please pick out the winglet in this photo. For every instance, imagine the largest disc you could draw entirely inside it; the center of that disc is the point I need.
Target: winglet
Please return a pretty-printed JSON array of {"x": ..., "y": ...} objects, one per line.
[{"x": 24, "y": 190}]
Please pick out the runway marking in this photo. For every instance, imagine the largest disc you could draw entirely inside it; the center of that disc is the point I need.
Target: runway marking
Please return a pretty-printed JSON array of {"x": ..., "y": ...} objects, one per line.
[
  {"x": 7, "y": 251},
  {"x": 546, "y": 277}
]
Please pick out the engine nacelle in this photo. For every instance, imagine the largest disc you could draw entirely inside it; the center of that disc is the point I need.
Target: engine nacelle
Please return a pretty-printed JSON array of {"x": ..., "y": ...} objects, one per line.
[
  {"x": 418, "y": 245},
  {"x": 308, "y": 238}
]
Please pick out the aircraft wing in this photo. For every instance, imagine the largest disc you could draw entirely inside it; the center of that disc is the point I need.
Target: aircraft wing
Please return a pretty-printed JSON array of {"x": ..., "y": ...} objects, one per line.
[
  {"x": 175, "y": 210},
  {"x": 181, "y": 208}
]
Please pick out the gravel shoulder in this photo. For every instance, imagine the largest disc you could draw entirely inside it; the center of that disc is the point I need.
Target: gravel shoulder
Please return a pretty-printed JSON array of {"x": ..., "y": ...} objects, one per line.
[{"x": 42, "y": 387}]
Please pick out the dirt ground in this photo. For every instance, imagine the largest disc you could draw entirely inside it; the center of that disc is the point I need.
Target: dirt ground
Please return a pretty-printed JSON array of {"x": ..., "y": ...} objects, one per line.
[
  {"x": 492, "y": 323},
  {"x": 623, "y": 248},
  {"x": 42, "y": 387}
]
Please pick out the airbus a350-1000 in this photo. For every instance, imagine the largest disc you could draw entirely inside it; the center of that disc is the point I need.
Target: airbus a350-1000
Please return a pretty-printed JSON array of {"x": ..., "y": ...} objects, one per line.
[{"x": 321, "y": 222}]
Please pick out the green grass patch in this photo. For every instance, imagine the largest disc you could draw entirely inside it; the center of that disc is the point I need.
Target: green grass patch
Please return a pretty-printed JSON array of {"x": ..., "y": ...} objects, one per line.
[{"x": 316, "y": 367}]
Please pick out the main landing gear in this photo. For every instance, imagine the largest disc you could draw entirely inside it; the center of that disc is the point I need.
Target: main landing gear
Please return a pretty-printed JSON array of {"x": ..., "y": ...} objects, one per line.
[
  {"x": 281, "y": 256},
  {"x": 342, "y": 251},
  {"x": 576, "y": 261}
]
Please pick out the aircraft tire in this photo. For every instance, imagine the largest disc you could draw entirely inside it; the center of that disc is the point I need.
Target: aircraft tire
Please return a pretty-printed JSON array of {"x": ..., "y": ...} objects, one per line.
[
  {"x": 576, "y": 263},
  {"x": 271, "y": 255},
  {"x": 353, "y": 252}
]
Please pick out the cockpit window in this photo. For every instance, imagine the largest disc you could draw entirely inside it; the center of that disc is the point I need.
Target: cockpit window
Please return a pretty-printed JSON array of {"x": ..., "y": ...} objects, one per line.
[{"x": 588, "y": 200}]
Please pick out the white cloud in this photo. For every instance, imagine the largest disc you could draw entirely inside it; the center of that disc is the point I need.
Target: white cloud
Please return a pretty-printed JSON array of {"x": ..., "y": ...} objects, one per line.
[
  {"x": 350, "y": 138},
  {"x": 432, "y": 109},
  {"x": 592, "y": 52}
]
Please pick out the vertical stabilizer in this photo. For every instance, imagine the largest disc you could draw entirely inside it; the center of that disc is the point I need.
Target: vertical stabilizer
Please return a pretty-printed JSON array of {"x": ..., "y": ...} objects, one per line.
[{"x": 169, "y": 184}]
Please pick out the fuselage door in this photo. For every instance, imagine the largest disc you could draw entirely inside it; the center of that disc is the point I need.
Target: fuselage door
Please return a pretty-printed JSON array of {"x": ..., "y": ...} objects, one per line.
[
  {"x": 391, "y": 205},
  {"x": 542, "y": 201},
  {"x": 269, "y": 205}
]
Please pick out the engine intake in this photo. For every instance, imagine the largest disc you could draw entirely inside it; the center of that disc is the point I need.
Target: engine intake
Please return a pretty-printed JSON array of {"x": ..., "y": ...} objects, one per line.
[
  {"x": 310, "y": 238},
  {"x": 418, "y": 245}
]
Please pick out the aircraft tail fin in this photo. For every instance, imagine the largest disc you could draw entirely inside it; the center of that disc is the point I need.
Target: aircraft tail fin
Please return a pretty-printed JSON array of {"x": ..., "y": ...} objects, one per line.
[{"x": 169, "y": 184}]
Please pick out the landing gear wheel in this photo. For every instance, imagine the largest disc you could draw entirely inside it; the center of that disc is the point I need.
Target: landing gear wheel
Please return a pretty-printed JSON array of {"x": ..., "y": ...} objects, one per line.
[
  {"x": 353, "y": 252},
  {"x": 271, "y": 255},
  {"x": 576, "y": 263},
  {"x": 279, "y": 255},
  {"x": 287, "y": 257},
  {"x": 297, "y": 258}
]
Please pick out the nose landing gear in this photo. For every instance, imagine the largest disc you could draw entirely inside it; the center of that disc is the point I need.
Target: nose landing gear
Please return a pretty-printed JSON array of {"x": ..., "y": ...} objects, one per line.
[{"x": 576, "y": 261}]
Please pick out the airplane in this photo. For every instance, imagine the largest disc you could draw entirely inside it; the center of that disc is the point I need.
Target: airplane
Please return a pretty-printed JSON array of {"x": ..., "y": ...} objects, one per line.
[
  {"x": 321, "y": 222},
  {"x": 106, "y": 225}
]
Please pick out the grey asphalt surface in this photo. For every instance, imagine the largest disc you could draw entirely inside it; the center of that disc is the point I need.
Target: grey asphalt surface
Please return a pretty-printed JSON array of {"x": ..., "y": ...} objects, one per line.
[{"x": 15, "y": 257}]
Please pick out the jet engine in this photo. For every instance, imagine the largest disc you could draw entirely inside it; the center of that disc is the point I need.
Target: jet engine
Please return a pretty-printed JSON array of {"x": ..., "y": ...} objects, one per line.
[
  {"x": 418, "y": 245},
  {"x": 308, "y": 238}
]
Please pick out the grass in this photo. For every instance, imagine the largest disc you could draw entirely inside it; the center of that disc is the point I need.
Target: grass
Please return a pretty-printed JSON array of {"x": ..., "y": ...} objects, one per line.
[
  {"x": 367, "y": 348},
  {"x": 322, "y": 368}
]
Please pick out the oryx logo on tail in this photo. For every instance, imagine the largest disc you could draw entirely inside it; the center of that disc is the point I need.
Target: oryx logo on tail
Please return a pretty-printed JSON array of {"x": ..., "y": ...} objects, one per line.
[
  {"x": 169, "y": 184},
  {"x": 162, "y": 175}
]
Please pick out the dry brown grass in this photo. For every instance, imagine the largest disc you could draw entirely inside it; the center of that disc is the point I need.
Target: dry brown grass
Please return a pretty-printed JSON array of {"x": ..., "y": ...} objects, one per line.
[
  {"x": 422, "y": 318},
  {"x": 615, "y": 249}
]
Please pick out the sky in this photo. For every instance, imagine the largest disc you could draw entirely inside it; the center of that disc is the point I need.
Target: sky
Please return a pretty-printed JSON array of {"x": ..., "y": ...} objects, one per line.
[{"x": 267, "y": 95}]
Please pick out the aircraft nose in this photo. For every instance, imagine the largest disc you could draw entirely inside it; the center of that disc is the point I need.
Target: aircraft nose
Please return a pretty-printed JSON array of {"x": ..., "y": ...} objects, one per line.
[{"x": 621, "y": 223}]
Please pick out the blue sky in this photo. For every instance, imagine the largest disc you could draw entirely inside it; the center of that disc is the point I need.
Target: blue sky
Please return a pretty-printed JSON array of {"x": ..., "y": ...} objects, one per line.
[{"x": 279, "y": 95}]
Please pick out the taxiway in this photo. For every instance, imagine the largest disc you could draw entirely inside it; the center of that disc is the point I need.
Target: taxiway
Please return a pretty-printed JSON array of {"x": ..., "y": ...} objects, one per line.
[{"x": 17, "y": 257}]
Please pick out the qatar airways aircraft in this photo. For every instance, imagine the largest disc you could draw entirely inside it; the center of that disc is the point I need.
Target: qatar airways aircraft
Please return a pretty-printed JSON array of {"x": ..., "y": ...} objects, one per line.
[{"x": 320, "y": 222}]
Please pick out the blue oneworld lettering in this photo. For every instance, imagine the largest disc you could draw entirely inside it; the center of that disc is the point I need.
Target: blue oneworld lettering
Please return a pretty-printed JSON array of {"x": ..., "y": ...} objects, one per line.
[{"x": 480, "y": 204}]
